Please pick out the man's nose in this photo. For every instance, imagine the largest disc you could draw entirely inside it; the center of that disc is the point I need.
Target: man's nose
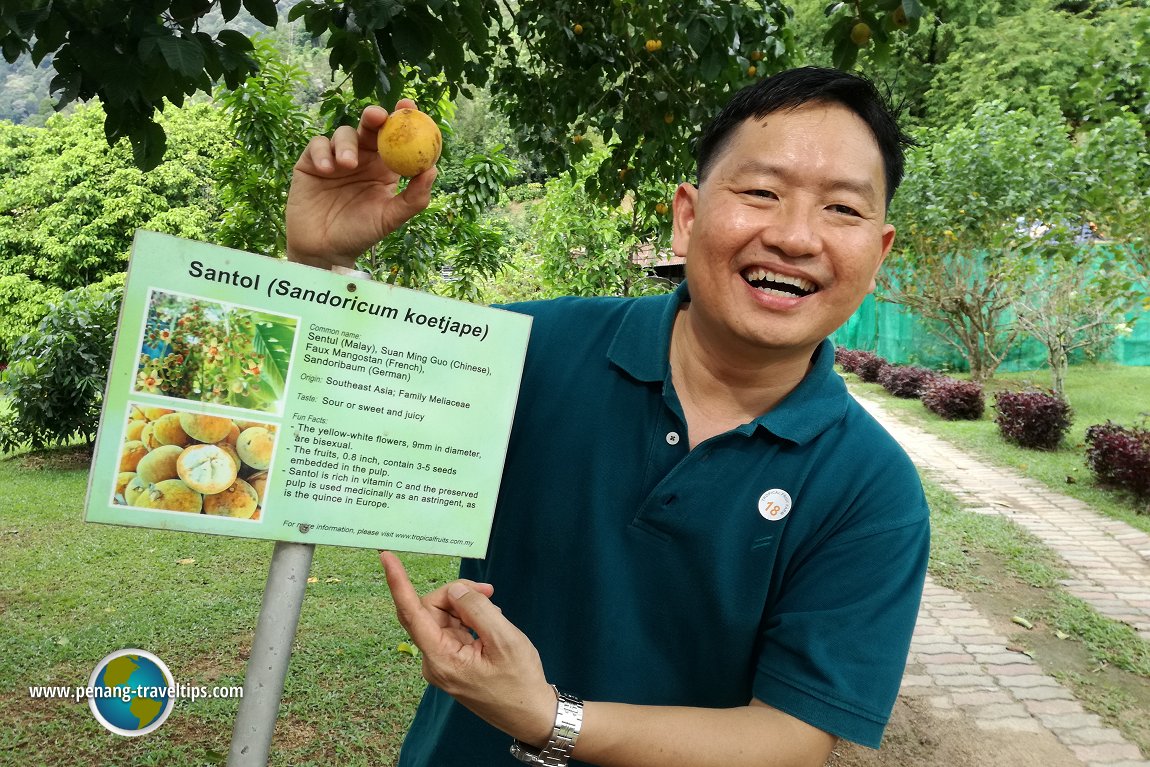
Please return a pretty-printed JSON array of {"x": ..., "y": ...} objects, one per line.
[{"x": 794, "y": 230}]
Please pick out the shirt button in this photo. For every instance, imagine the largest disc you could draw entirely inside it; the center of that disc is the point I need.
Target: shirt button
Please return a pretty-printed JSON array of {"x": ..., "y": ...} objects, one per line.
[{"x": 672, "y": 438}]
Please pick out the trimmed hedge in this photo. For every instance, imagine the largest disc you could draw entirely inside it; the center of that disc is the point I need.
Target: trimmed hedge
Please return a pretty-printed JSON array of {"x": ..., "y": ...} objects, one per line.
[
  {"x": 954, "y": 400},
  {"x": 1120, "y": 457},
  {"x": 1033, "y": 419},
  {"x": 906, "y": 381},
  {"x": 868, "y": 366}
]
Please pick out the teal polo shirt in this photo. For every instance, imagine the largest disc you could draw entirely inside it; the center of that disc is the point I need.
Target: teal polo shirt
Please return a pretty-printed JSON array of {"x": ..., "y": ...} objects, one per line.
[{"x": 782, "y": 560}]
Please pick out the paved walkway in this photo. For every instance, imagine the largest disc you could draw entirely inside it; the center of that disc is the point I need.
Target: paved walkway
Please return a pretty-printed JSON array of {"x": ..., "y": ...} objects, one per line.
[{"x": 962, "y": 665}]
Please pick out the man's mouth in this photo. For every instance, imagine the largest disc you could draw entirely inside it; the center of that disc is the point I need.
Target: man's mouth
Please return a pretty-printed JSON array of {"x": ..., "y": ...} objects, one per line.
[{"x": 778, "y": 284}]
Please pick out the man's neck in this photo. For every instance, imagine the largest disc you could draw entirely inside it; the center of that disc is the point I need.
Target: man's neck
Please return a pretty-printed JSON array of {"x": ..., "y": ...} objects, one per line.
[{"x": 721, "y": 388}]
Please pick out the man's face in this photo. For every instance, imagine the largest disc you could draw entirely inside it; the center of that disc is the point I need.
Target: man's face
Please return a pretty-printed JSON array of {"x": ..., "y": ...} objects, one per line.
[{"x": 785, "y": 235}]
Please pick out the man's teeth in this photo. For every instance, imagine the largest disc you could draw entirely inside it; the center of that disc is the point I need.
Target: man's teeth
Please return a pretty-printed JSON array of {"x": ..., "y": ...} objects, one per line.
[{"x": 780, "y": 284}]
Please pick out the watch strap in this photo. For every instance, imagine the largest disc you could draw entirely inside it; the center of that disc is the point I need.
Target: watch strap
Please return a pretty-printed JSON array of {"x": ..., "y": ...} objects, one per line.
[{"x": 568, "y": 723}]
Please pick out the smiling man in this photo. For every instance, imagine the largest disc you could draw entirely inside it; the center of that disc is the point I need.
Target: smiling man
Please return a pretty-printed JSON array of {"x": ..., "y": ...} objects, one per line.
[{"x": 704, "y": 551}]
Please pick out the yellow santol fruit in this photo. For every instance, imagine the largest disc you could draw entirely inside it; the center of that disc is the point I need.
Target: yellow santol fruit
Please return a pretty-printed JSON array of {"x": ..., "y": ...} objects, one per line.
[
  {"x": 122, "y": 481},
  {"x": 156, "y": 413},
  {"x": 131, "y": 454},
  {"x": 135, "y": 428},
  {"x": 230, "y": 449},
  {"x": 172, "y": 495},
  {"x": 133, "y": 491},
  {"x": 239, "y": 500},
  {"x": 233, "y": 434},
  {"x": 168, "y": 431},
  {"x": 205, "y": 428},
  {"x": 206, "y": 468},
  {"x": 410, "y": 142},
  {"x": 259, "y": 483},
  {"x": 148, "y": 436},
  {"x": 160, "y": 464},
  {"x": 255, "y": 447}
]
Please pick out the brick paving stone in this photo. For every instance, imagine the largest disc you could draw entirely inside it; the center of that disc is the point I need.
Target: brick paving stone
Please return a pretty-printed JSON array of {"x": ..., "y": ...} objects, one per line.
[
  {"x": 1042, "y": 707},
  {"x": 1078, "y": 721},
  {"x": 1009, "y": 669},
  {"x": 1010, "y": 724},
  {"x": 1093, "y": 736},
  {"x": 982, "y": 698},
  {"x": 1049, "y": 692},
  {"x": 1107, "y": 753}
]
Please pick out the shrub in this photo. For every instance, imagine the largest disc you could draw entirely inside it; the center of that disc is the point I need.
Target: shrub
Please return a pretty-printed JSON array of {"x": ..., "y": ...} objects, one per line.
[
  {"x": 1120, "y": 457},
  {"x": 56, "y": 375},
  {"x": 954, "y": 400},
  {"x": 906, "y": 381},
  {"x": 1033, "y": 419},
  {"x": 532, "y": 190},
  {"x": 845, "y": 358},
  {"x": 23, "y": 303},
  {"x": 869, "y": 365}
]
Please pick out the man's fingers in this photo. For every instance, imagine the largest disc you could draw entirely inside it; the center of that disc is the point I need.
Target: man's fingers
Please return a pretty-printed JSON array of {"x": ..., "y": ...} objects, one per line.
[
  {"x": 318, "y": 154},
  {"x": 414, "y": 198},
  {"x": 476, "y": 611},
  {"x": 345, "y": 144},
  {"x": 408, "y": 606}
]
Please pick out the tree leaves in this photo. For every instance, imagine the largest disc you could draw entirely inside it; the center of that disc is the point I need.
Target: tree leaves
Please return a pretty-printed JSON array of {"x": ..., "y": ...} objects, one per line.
[{"x": 264, "y": 11}]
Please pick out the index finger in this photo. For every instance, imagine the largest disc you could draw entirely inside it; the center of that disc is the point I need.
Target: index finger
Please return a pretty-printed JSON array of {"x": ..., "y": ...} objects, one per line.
[
  {"x": 373, "y": 118},
  {"x": 408, "y": 607}
]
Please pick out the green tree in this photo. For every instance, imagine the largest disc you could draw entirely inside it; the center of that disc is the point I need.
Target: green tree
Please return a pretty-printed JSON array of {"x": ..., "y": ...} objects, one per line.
[
  {"x": 964, "y": 211},
  {"x": 1073, "y": 297},
  {"x": 1076, "y": 290},
  {"x": 23, "y": 303},
  {"x": 587, "y": 247},
  {"x": 269, "y": 130},
  {"x": 1114, "y": 181},
  {"x": 1091, "y": 65},
  {"x": 70, "y": 203},
  {"x": 55, "y": 381}
]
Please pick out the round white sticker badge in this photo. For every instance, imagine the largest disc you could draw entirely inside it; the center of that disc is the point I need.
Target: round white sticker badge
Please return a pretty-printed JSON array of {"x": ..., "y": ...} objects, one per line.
[{"x": 775, "y": 504}]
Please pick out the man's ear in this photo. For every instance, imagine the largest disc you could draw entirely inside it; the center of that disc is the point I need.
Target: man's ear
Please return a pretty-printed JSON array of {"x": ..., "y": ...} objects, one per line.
[
  {"x": 683, "y": 206},
  {"x": 887, "y": 242}
]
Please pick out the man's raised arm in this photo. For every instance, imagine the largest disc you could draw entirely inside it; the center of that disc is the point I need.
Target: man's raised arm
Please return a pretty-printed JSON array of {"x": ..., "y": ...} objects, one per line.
[{"x": 344, "y": 199}]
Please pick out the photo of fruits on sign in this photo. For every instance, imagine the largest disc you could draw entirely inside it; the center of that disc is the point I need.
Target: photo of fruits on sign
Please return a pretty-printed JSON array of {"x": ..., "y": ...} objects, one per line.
[
  {"x": 206, "y": 351},
  {"x": 194, "y": 462}
]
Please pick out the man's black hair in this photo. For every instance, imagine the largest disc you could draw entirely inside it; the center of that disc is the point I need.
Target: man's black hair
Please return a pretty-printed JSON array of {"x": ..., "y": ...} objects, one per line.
[{"x": 793, "y": 88}]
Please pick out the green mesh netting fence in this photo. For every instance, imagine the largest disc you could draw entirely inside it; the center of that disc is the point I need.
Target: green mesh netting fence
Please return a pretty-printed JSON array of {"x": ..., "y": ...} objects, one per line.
[{"x": 902, "y": 336}]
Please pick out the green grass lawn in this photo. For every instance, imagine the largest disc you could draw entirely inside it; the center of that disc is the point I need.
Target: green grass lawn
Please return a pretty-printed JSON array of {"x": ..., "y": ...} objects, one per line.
[
  {"x": 1096, "y": 393},
  {"x": 70, "y": 593}
]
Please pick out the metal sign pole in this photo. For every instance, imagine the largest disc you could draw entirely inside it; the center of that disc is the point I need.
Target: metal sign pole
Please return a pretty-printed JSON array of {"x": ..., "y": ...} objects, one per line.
[
  {"x": 272, "y": 644},
  {"x": 271, "y": 652}
]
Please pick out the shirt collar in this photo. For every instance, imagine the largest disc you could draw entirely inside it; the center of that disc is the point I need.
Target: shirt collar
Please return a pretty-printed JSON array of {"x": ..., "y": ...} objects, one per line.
[{"x": 641, "y": 349}]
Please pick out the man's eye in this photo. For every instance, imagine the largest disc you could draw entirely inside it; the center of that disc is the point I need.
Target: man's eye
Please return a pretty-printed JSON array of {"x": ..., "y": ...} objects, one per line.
[
  {"x": 764, "y": 193},
  {"x": 846, "y": 210}
]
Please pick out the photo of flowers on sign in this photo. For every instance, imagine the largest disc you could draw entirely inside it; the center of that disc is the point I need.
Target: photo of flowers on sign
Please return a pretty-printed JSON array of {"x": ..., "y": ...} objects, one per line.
[{"x": 206, "y": 351}]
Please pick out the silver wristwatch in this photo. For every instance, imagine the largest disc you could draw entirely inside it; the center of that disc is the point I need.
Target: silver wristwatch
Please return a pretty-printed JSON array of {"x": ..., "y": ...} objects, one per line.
[{"x": 568, "y": 721}]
